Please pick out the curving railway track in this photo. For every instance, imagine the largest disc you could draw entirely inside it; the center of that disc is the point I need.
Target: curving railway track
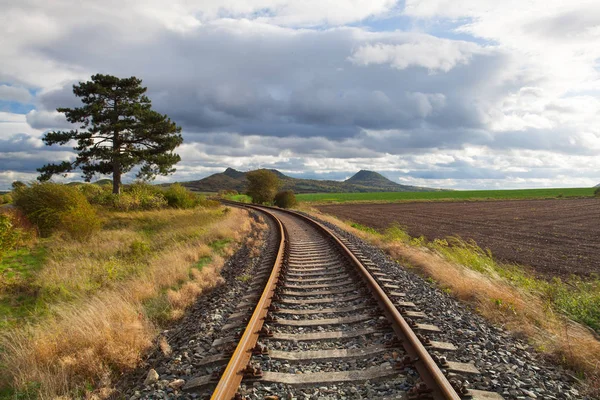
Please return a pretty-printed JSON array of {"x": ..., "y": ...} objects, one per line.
[{"x": 319, "y": 314}]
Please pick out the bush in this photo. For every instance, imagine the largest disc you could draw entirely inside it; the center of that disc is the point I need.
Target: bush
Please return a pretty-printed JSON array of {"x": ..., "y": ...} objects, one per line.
[
  {"x": 6, "y": 198},
  {"x": 80, "y": 222},
  {"x": 145, "y": 196},
  {"x": 53, "y": 207},
  {"x": 179, "y": 197},
  {"x": 96, "y": 194},
  {"x": 285, "y": 199},
  {"x": 8, "y": 235},
  {"x": 597, "y": 192}
]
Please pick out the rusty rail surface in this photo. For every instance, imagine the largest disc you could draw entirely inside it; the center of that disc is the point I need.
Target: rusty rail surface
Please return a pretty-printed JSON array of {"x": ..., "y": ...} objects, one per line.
[
  {"x": 437, "y": 385},
  {"x": 234, "y": 372}
]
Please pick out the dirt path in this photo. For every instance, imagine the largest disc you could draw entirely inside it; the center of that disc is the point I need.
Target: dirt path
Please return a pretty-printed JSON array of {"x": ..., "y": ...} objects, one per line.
[{"x": 555, "y": 237}]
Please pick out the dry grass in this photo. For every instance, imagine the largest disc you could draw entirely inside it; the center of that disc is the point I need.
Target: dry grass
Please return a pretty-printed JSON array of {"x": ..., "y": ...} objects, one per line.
[
  {"x": 523, "y": 312},
  {"x": 80, "y": 345},
  {"x": 103, "y": 297}
]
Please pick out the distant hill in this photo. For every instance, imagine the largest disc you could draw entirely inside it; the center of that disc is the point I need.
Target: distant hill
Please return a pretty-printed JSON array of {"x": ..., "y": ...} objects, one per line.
[
  {"x": 362, "y": 181},
  {"x": 598, "y": 185}
]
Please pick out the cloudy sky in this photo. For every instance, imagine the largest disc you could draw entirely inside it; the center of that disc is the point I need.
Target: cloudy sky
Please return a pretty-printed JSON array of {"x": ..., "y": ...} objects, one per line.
[{"x": 442, "y": 93}]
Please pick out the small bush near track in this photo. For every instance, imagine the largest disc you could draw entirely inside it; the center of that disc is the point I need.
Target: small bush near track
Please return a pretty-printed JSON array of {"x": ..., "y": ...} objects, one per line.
[
  {"x": 54, "y": 207},
  {"x": 179, "y": 197},
  {"x": 597, "y": 192},
  {"x": 285, "y": 199}
]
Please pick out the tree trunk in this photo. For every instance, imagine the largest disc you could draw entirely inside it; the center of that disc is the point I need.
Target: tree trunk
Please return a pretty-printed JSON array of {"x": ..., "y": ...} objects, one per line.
[
  {"x": 116, "y": 177},
  {"x": 116, "y": 163}
]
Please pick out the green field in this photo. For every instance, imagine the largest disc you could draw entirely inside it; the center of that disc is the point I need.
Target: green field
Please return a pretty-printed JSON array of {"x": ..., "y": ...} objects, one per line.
[{"x": 447, "y": 195}]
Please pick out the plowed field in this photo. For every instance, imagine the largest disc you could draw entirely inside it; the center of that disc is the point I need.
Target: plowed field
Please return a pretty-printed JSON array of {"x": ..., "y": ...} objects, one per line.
[{"x": 554, "y": 237}]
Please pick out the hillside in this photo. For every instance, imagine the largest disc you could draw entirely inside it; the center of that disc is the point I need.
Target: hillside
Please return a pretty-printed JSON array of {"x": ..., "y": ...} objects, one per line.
[{"x": 362, "y": 181}]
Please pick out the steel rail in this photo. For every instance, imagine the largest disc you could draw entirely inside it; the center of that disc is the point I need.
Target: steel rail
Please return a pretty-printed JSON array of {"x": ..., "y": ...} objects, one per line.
[
  {"x": 430, "y": 373},
  {"x": 234, "y": 371},
  {"x": 428, "y": 370}
]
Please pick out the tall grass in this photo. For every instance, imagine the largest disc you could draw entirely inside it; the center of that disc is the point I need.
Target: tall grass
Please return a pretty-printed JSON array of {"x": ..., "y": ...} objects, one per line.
[
  {"x": 542, "y": 311},
  {"x": 100, "y": 296}
]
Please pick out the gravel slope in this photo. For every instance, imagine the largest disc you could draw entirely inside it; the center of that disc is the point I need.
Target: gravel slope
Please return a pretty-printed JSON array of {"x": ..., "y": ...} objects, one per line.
[{"x": 509, "y": 366}]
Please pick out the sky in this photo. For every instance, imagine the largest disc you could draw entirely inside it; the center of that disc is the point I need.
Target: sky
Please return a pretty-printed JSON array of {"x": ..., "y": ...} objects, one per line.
[{"x": 459, "y": 94}]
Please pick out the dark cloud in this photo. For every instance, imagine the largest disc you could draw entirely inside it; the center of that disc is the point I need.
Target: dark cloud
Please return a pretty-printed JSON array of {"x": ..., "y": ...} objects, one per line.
[{"x": 255, "y": 80}]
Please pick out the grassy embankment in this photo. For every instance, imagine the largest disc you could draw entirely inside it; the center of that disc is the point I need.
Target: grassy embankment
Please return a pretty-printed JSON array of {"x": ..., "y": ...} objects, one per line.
[
  {"x": 542, "y": 311},
  {"x": 447, "y": 195},
  {"x": 74, "y": 314}
]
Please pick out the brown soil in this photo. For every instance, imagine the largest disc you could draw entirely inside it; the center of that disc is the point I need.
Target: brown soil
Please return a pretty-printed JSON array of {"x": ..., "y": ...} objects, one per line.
[{"x": 555, "y": 237}]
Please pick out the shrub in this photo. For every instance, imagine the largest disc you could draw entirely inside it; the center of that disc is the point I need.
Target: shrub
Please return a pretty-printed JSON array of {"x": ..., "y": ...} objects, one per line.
[
  {"x": 597, "y": 192},
  {"x": 96, "y": 194},
  {"x": 15, "y": 231},
  {"x": 80, "y": 222},
  {"x": 145, "y": 196},
  {"x": 8, "y": 234},
  {"x": 285, "y": 199},
  {"x": 52, "y": 207},
  {"x": 179, "y": 197},
  {"x": 6, "y": 198}
]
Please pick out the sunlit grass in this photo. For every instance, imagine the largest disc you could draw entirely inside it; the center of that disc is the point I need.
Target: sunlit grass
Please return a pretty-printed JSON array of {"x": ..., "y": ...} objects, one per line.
[{"x": 90, "y": 309}]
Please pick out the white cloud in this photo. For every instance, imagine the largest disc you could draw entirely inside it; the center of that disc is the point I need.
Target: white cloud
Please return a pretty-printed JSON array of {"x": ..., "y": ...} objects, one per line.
[
  {"x": 428, "y": 52},
  {"x": 285, "y": 84},
  {"x": 11, "y": 123}
]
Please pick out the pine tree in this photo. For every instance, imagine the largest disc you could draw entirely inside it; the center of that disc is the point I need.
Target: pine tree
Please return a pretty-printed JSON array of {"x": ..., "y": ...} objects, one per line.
[{"x": 118, "y": 131}]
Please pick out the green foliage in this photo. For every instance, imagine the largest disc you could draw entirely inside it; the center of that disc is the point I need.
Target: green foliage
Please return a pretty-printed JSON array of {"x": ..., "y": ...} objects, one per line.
[
  {"x": 285, "y": 199},
  {"x": 119, "y": 130},
  {"x": 179, "y": 197},
  {"x": 242, "y": 198},
  {"x": 6, "y": 198},
  {"x": 579, "y": 299},
  {"x": 597, "y": 192},
  {"x": 80, "y": 222},
  {"x": 146, "y": 196},
  {"x": 143, "y": 196},
  {"x": 96, "y": 194},
  {"x": 158, "y": 309},
  {"x": 396, "y": 232},
  {"x": 52, "y": 207},
  {"x": 364, "y": 228},
  {"x": 17, "y": 185},
  {"x": 8, "y": 235},
  {"x": 446, "y": 195},
  {"x": 243, "y": 278},
  {"x": 227, "y": 193},
  {"x": 262, "y": 186}
]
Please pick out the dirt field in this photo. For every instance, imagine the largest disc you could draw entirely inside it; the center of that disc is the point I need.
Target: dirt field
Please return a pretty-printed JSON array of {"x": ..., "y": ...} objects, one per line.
[{"x": 555, "y": 237}]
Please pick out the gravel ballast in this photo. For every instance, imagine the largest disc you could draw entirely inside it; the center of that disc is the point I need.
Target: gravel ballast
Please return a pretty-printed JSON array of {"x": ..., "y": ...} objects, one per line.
[{"x": 508, "y": 365}]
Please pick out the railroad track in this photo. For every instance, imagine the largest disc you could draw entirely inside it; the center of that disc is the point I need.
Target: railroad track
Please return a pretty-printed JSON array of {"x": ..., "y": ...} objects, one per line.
[{"x": 321, "y": 320}]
